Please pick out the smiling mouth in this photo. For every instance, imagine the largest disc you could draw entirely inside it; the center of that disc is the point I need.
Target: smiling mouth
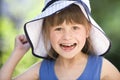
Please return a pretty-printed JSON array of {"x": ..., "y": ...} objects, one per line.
[{"x": 68, "y": 47}]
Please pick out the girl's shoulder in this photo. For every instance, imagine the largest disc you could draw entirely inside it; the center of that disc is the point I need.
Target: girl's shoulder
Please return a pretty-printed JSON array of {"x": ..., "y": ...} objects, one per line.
[{"x": 109, "y": 71}]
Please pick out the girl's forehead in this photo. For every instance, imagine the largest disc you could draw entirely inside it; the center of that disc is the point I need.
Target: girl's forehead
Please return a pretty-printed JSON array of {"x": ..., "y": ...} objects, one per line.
[{"x": 67, "y": 23}]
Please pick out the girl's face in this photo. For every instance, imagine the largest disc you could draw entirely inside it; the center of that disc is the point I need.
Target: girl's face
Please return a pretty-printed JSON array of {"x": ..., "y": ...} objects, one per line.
[{"x": 68, "y": 39}]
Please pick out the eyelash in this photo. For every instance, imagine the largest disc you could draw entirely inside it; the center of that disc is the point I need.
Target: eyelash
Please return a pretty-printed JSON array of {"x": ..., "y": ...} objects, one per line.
[
  {"x": 75, "y": 27},
  {"x": 58, "y": 29}
]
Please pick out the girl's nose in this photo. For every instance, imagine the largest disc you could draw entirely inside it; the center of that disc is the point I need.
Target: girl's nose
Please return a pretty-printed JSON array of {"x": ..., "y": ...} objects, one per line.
[{"x": 67, "y": 35}]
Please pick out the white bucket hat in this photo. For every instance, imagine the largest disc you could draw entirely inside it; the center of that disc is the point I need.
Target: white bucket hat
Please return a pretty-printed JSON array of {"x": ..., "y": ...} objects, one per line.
[{"x": 33, "y": 29}]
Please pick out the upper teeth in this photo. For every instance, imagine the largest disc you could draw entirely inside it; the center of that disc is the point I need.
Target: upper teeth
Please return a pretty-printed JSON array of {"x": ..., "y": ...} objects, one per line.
[{"x": 67, "y": 44}]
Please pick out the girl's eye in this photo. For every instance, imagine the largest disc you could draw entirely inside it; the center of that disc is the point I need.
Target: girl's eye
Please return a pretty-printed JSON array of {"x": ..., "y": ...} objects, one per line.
[
  {"x": 58, "y": 29},
  {"x": 75, "y": 27}
]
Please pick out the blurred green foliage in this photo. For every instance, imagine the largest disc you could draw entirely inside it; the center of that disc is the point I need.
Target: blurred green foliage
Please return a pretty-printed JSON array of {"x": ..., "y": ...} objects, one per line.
[
  {"x": 107, "y": 15},
  {"x": 105, "y": 12},
  {"x": 12, "y": 19}
]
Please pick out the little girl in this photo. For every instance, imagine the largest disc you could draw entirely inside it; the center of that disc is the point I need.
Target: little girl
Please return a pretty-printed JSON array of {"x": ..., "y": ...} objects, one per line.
[{"x": 69, "y": 41}]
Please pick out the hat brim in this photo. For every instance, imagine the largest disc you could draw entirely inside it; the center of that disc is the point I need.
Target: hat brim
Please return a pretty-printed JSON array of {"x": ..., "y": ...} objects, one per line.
[{"x": 33, "y": 30}]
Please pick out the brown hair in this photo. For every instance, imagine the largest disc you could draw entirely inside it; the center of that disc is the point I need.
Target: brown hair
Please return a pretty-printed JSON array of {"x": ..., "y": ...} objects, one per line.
[{"x": 71, "y": 14}]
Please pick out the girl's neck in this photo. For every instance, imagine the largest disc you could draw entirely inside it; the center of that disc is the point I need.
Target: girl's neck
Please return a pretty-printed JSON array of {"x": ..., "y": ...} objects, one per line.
[{"x": 66, "y": 63}]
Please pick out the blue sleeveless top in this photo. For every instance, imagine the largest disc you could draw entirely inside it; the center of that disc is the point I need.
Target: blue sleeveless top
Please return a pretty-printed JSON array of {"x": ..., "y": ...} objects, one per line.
[{"x": 92, "y": 70}]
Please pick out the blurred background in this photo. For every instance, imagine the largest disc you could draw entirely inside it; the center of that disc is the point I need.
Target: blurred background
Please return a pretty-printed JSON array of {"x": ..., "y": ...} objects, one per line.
[{"x": 14, "y": 13}]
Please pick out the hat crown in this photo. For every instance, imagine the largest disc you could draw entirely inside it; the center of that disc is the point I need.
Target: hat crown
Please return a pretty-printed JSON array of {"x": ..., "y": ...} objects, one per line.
[
  {"x": 46, "y": 1},
  {"x": 87, "y": 2}
]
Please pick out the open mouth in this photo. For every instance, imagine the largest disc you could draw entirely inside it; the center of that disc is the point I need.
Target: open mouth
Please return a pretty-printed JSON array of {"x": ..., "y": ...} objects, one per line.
[{"x": 68, "y": 46}]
